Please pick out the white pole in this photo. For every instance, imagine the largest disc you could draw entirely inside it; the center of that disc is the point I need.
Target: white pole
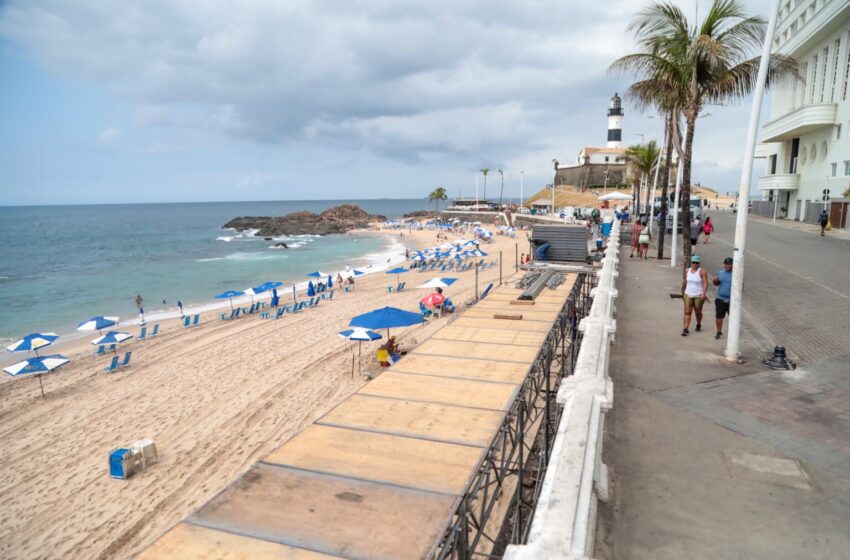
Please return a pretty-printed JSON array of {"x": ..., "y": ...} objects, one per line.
[
  {"x": 476, "y": 191},
  {"x": 654, "y": 186},
  {"x": 674, "y": 235},
  {"x": 775, "y": 202},
  {"x": 521, "y": 197},
  {"x": 734, "y": 334}
]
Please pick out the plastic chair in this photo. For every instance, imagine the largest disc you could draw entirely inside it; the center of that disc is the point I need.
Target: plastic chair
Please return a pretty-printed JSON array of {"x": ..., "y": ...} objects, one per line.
[
  {"x": 126, "y": 361},
  {"x": 113, "y": 365}
]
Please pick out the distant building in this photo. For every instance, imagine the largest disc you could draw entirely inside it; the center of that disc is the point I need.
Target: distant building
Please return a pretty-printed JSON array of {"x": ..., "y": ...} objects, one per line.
[
  {"x": 806, "y": 143},
  {"x": 600, "y": 167}
]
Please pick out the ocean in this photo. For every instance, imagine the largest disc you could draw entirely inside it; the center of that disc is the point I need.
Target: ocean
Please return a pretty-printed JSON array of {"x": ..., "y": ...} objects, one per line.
[{"x": 64, "y": 264}]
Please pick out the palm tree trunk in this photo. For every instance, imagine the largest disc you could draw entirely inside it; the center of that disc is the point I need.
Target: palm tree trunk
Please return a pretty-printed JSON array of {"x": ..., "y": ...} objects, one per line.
[
  {"x": 665, "y": 181},
  {"x": 685, "y": 195}
]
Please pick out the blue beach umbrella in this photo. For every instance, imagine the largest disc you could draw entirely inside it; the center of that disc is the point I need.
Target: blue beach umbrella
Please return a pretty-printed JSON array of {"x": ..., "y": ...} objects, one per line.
[
  {"x": 315, "y": 274},
  {"x": 32, "y": 342},
  {"x": 311, "y": 289},
  {"x": 386, "y": 318},
  {"x": 37, "y": 366},
  {"x": 358, "y": 272},
  {"x": 112, "y": 337},
  {"x": 359, "y": 334},
  {"x": 229, "y": 294},
  {"x": 97, "y": 323},
  {"x": 438, "y": 283},
  {"x": 398, "y": 270},
  {"x": 330, "y": 281}
]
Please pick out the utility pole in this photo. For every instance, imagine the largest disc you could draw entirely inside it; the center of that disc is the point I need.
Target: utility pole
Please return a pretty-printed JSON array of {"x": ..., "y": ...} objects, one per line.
[
  {"x": 521, "y": 194},
  {"x": 675, "y": 234},
  {"x": 554, "y": 181},
  {"x": 734, "y": 335}
]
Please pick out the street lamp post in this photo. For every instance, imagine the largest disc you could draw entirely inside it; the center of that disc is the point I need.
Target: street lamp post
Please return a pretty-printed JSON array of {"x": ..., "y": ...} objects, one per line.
[
  {"x": 734, "y": 340},
  {"x": 554, "y": 182},
  {"x": 521, "y": 197}
]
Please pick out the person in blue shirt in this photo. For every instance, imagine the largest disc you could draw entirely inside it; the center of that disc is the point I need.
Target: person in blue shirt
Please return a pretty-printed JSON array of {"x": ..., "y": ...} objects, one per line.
[{"x": 723, "y": 281}]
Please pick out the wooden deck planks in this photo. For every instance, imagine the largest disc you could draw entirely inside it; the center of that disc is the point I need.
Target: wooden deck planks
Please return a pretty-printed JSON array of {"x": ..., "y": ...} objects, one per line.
[
  {"x": 408, "y": 462},
  {"x": 490, "y": 323},
  {"x": 454, "y": 424},
  {"x": 441, "y": 390},
  {"x": 337, "y": 516},
  {"x": 191, "y": 542},
  {"x": 464, "y": 368},
  {"x": 493, "y": 351},
  {"x": 527, "y": 314},
  {"x": 492, "y": 336}
]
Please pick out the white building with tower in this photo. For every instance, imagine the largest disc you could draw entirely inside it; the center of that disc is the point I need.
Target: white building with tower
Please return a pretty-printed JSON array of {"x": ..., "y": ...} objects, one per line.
[{"x": 806, "y": 142}]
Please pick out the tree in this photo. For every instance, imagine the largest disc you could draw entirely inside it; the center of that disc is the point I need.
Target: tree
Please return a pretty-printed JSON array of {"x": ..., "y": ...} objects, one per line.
[
  {"x": 484, "y": 171},
  {"x": 502, "y": 187},
  {"x": 682, "y": 69},
  {"x": 436, "y": 196},
  {"x": 642, "y": 158}
]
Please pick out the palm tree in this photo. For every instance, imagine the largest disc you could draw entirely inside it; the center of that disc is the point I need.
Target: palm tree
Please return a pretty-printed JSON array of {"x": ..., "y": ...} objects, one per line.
[
  {"x": 642, "y": 158},
  {"x": 436, "y": 196},
  {"x": 502, "y": 187},
  {"x": 682, "y": 69},
  {"x": 484, "y": 171}
]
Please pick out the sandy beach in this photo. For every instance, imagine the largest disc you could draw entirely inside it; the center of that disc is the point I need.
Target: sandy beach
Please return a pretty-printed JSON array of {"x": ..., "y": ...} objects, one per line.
[{"x": 214, "y": 398}]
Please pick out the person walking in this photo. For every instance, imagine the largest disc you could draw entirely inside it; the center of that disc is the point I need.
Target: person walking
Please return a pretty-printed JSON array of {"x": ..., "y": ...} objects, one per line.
[
  {"x": 696, "y": 229},
  {"x": 694, "y": 288},
  {"x": 636, "y": 229},
  {"x": 823, "y": 220},
  {"x": 180, "y": 307},
  {"x": 139, "y": 301},
  {"x": 707, "y": 228},
  {"x": 723, "y": 281},
  {"x": 644, "y": 239}
]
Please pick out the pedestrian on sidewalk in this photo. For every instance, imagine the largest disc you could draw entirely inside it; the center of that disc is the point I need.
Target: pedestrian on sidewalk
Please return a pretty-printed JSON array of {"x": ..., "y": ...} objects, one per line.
[
  {"x": 707, "y": 228},
  {"x": 823, "y": 219},
  {"x": 723, "y": 281},
  {"x": 644, "y": 239},
  {"x": 636, "y": 229},
  {"x": 694, "y": 288},
  {"x": 696, "y": 229}
]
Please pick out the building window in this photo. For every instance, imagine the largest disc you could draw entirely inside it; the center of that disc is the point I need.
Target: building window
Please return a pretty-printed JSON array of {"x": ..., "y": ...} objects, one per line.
[
  {"x": 823, "y": 149},
  {"x": 847, "y": 167},
  {"x": 836, "y": 50},
  {"x": 804, "y": 70},
  {"x": 814, "y": 153},
  {"x": 823, "y": 73},
  {"x": 606, "y": 159},
  {"x": 846, "y": 70},
  {"x": 814, "y": 79},
  {"x": 838, "y": 131},
  {"x": 834, "y": 169}
]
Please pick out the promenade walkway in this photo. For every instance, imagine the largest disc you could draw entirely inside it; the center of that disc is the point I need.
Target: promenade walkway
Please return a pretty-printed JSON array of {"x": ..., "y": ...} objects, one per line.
[
  {"x": 381, "y": 475},
  {"x": 716, "y": 460}
]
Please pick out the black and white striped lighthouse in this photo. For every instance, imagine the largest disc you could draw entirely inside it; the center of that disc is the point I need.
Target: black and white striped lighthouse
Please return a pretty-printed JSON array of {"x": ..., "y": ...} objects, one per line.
[{"x": 615, "y": 122}]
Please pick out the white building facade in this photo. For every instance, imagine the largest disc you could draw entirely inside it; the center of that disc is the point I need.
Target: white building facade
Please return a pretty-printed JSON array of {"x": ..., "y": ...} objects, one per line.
[{"x": 806, "y": 143}]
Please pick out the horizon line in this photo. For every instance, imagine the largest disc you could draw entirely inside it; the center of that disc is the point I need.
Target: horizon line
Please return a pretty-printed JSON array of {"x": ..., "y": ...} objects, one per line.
[{"x": 425, "y": 198}]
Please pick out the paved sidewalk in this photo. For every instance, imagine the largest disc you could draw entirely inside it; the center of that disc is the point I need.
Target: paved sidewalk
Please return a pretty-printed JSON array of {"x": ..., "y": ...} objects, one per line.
[{"x": 716, "y": 460}]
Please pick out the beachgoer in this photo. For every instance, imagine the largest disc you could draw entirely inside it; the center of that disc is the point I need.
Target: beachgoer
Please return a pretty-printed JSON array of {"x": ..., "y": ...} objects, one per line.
[
  {"x": 180, "y": 307},
  {"x": 723, "y": 281},
  {"x": 707, "y": 228},
  {"x": 636, "y": 229},
  {"x": 694, "y": 288},
  {"x": 392, "y": 348},
  {"x": 139, "y": 300},
  {"x": 339, "y": 279},
  {"x": 823, "y": 220},
  {"x": 406, "y": 253},
  {"x": 383, "y": 356},
  {"x": 644, "y": 239},
  {"x": 696, "y": 228},
  {"x": 522, "y": 258},
  {"x": 348, "y": 268}
]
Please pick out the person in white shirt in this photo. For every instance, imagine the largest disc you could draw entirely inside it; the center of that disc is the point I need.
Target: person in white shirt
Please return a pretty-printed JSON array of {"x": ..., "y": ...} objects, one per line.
[{"x": 694, "y": 289}]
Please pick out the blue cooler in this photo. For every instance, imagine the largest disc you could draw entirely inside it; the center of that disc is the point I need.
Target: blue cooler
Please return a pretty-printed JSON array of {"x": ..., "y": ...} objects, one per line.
[
  {"x": 120, "y": 464},
  {"x": 606, "y": 229}
]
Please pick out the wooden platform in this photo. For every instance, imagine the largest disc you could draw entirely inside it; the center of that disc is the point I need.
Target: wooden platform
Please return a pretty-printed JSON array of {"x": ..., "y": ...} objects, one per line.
[{"x": 380, "y": 475}]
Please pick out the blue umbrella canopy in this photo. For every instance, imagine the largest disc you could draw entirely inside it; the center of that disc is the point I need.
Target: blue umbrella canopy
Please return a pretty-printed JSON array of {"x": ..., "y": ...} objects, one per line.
[
  {"x": 112, "y": 337},
  {"x": 316, "y": 274},
  {"x": 32, "y": 342},
  {"x": 397, "y": 270},
  {"x": 230, "y": 294},
  {"x": 359, "y": 333},
  {"x": 37, "y": 366},
  {"x": 438, "y": 283},
  {"x": 311, "y": 289},
  {"x": 330, "y": 281},
  {"x": 358, "y": 272},
  {"x": 386, "y": 318},
  {"x": 97, "y": 323},
  {"x": 266, "y": 286}
]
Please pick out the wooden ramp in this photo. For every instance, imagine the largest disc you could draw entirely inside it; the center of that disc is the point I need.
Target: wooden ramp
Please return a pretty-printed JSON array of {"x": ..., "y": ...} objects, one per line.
[{"x": 381, "y": 474}]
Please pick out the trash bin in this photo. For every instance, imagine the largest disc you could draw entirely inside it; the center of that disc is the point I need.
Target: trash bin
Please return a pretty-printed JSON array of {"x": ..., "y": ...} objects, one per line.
[{"x": 120, "y": 463}]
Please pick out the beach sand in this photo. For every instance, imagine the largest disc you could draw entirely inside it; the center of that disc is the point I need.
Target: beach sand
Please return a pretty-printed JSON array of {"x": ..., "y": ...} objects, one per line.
[{"x": 215, "y": 399}]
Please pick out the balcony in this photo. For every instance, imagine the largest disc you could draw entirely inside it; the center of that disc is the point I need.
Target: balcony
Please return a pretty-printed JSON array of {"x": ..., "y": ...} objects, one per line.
[
  {"x": 783, "y": 182},
  {"x": 799, "y": 122}
]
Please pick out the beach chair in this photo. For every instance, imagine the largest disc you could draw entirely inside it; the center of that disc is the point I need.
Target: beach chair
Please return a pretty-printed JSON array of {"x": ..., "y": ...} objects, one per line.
[
  {"x": 110, "y": 348},
  {"x": 299, "y": 306},
  {"x": 100, "y": 350},
  {"x": 400, "y": 287},
  {"x": 197, "y": 318},
  {"x": 316, "y": 302},
  {"x": 113, "y": 365},
  {"x": 264, "y": 315},
  {"x": 486, "y": 291},
  {"x": 186, "y": 320},
  {"x": 126, "y": 361},
  {"x": 390, "y": 289},
  {"x": 225, "y": 316},
  {"x": 425, "y": 311},
  {"x": 143, "y": 333},
  {"x": 329, "y": 295},
  {"x": 155, "y": 330},
  {"x": 280, "y": 312},
  {"x": 237, "y": 312}
]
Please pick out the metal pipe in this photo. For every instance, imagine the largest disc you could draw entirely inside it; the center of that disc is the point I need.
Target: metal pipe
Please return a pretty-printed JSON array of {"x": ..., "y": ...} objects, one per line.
[{"x": 734, "y": 332}]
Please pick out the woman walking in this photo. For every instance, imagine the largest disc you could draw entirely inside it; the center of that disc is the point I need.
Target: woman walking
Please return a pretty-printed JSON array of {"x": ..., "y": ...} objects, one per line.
[
  {"x": 707, "y": 228},
  {"x": 694, "y": 288},
  {"x": 644, "y": 238},
  {"x": 636, "y": 229}
]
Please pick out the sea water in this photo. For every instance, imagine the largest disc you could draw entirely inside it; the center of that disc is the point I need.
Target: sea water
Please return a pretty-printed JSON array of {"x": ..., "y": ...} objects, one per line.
[{"x": 61, "y": 265}]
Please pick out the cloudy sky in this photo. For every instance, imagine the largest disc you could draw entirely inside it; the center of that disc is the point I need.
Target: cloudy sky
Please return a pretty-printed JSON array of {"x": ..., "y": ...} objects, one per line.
[{"x": 201, "y": 100}]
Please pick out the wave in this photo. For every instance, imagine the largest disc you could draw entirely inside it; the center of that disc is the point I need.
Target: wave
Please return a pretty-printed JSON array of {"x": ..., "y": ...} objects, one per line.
[
  {"x": 210, "y": 260},
  {"x": 225, "y": 238}
]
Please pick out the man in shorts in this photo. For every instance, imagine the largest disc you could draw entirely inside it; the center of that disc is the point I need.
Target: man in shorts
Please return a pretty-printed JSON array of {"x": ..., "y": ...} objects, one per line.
[{"x": 723, "y": 281}]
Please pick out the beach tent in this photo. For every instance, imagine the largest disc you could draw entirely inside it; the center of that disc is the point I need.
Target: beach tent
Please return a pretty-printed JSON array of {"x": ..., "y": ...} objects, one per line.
[
  {"x": 359, "y": 334},
  {"x": 386, "y": 318},
  {"x": 230, "y": 294},
  {"x": 32, "y": 342},
  {"x": 37, "y": 366},
  {"x": 97, "y": 323},
  {"x": 615, "y": 196}
]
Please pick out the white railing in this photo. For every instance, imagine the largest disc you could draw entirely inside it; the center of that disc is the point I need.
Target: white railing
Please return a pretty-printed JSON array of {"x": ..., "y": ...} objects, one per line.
[{"x": 564, "y": 523}]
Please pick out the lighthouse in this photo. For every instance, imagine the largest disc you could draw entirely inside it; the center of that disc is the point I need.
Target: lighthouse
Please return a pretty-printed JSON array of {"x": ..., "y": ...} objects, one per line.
[{"x": 615, "y": 122}]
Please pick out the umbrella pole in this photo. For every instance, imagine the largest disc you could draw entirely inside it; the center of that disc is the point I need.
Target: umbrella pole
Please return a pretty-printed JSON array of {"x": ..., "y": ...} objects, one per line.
[
  {"x": 41, "y": 384},
  {"x": 231, "y": 304},
  {"x": 360, "y": 356},
  {"x": 476, "y": 281},
  {"x": 500, "y": 268},
  {"x": 352, "y": 364}
]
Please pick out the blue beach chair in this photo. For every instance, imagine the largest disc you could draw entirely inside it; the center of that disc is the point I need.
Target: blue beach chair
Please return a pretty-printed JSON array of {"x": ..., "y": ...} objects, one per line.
[
  {"x": 155, "y": 330},
  {"x": 186, "y": 320},
  {"x": 486, "y": 291},
  {"x": 126, "y": 361},
  {"x": 196, "y": 319},
  {"x": 143, "y": 333},
  {"x": 100, "y": 350},
  {"x": 400, "y": 287},
  {"x": 425, "y": 311},
  {"x": 113, "y": 365}
]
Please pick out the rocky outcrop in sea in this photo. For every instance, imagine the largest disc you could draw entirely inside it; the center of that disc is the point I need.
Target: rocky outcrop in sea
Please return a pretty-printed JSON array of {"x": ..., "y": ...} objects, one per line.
[{"x": 340, "y": 219}]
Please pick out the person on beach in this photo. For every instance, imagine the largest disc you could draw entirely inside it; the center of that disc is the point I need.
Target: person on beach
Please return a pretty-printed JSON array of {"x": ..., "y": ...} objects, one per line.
[
  {"x": 723, "y": 281},
  {"x": 139, "y": 301},
  {"x": 694, "y": 288},
  {"x": 644, "y": 238},
  {"x": 180, "y": 307},
  {"x": 636, "y": 229},
  {"x": 823, "y": 220},
  {"x": 696, "y": 228},
  {"x": 707, "y": 228}
]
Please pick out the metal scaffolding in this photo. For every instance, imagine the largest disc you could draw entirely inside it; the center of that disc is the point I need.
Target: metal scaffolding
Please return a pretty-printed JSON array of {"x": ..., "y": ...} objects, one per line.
[{"x": 519, "y": 452}]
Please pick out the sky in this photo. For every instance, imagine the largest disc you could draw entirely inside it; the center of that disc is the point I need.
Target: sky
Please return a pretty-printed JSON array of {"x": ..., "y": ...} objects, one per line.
[{"x": 215, "y": 100}]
